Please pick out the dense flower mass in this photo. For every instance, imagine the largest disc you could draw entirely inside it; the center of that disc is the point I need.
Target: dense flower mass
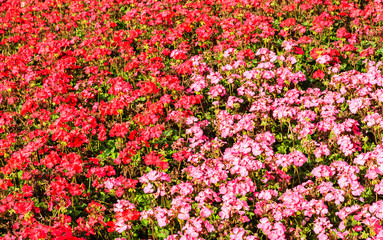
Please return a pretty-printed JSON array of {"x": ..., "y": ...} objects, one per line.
[{"x": 185, "y": 119}]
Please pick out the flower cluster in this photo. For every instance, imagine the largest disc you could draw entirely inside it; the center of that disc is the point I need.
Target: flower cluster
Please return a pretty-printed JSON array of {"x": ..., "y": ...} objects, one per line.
[{"x": 124, "y": 119}]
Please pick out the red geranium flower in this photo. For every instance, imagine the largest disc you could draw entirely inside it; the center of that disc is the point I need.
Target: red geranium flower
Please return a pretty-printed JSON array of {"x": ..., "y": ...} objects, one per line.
[{"x": 318, "y": 74}]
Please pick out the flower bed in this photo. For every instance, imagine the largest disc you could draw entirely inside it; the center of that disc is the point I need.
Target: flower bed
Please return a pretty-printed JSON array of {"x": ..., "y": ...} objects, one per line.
[{"x": 243, "y": 119}]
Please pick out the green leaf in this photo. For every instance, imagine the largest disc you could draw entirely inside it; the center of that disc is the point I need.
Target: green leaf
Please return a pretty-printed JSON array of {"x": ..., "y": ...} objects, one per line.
[
  {"x": 163, "y": 233},
  {"x": 167, "y": 133},
  {"x": 20, "y": 173}
]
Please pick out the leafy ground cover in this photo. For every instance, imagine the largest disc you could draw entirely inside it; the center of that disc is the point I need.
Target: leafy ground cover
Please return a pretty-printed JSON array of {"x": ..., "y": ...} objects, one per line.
[{"x": 229, "y": 119}]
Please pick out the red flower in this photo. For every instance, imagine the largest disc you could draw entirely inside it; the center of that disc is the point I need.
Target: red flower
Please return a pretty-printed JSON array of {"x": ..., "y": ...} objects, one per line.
[
  {"x": 204, "y": 33},
  {"x": 318, "y": 74},
  {"x": 131, "y": 215},
  {"x": 111, "y": 225},
  {"x": 316, "y": 52},
  {"x": 148, "y": 88},
  {"x": 288, "y": 22},
  {"x": 185, "y": 68},
  {"x": 186, "y": 102},
  {"x": 179, "y": 156},
  {"x": 101, "y": 132},
  {"x": 355, "y": 129},
  {"x": 153, "y": 158},
  {"x": 342, "y": 33},
  {"x": 298, "y": 50},
  {"x": 166, "y": 52},
  {"x": 119, "y": 130},
  {"x": 132, "y": 135}
]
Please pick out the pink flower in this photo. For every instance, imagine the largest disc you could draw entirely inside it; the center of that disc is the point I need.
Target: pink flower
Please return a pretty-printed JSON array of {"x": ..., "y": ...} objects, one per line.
[
  {"x": 209, "y": 227},
  {"x": 216, "y": 91},
  {"x": 215, "y": 77},
  {"x": 283, "y": 160},
  {"x": 183, "y": 216},
  {"x": 357, "y": 228},
  {"x": 110, "y": 183},
  {"x": 121, "y": 226},
  {"x": 265, "y": 225},
  {"x": 358, "y": 103},
  {"x": 298, "y": 158},
  {"x": 205, "y": 212},
  {"x": 228, "y": 52},
  {"x": 262, "y": 51},
  {"x": 160, "y": 215},
  {"x": 322, "y": 150},
  {"x": 323, "y": 59},
  {"x": 237, "y": 234},
  {"x": 232, "y": 100},
  {"x": 379, "y": 188},
  {"x": 239, "y": 63},
  {"x": 148, "y": 188},
  {"x": 320, "y": 226},
  {"x": 373, "y": 173},
  {"x": 266, "y": 65},
  {"x": 227, "y": 67},
  {"x": 322, "y": 171},
  {"x": 346, "y": 145},
  {"x": 267, "y": 194},
  {"x": 183, "y": 189},
  {"x": 268, "y": 74},
  {"x": 292, "y": 60},
  {"x": 322, "y": 236},
  {"x": 288, "y": 45},
  {"x": 198, "y": 83},
  {"x": 373, "y": 119}
]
